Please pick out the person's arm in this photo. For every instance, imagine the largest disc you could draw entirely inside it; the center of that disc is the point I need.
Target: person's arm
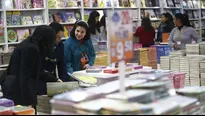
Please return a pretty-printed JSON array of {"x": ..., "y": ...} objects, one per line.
[
  {"x": 92, "y": 54},
  {"x": 29, "y": 72},
  {"x": 171, "y": 39},
  {"x": 61, "y": 66},
  {"x": 195, "y": 36},
  {"x": 67, "y": 56}
]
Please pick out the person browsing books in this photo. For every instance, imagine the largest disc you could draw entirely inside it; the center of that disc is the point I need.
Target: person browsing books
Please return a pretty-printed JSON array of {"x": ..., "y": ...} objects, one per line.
[
  {"x": 19, "y": 80},
  {"x": 78, "y": 48},
  {"x": 165, "y": 27},
  {"x": 146, "y": 33},
  {"x": 50, "y": 63},
  {"x": 94, "y": 27},
  {"x": 183, "y": 33}
]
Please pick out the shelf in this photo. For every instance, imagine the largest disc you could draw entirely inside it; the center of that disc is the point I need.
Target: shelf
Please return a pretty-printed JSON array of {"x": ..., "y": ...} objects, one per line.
[
  {"x": 33, "y": 9},
  {"x": 4, "y": 65},
  {"x": 67, "y": 23},
  {"x": 97, "y": 8},
  {"x": 155, "y": 19},
  {"x": 125, "y": 7},
  {"x": 150, "y": 8},
  {"x": 193, "y": 19},
  {"x": 12, "y": 43},
  {"x": 136, "y": 19},
  {"x": 172, "y": 7},
  {"x": 22, "y": 26},
  {"x": 68, "y": 8},
  {"x": 191, "y": 8},
  {"x": 1, "y": 44}
]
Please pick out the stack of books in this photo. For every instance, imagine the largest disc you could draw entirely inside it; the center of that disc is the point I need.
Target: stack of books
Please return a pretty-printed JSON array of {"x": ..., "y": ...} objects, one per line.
[
  {"x": 164, "y": 63},
  {"x": 184, "y": 67}
]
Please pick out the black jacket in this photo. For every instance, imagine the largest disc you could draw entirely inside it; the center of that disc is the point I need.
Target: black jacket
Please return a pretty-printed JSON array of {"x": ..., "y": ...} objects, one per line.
[
  {"x": 166, "y": 29},
  {"x": 18, "y": 82},
  {"x": 48, "y": 68}
]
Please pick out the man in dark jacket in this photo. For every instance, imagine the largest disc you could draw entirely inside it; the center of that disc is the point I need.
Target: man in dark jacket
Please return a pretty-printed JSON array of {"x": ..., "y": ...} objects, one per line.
[
  {"x": 50, "y": 63},
  {"x": 19, "y": 81}
]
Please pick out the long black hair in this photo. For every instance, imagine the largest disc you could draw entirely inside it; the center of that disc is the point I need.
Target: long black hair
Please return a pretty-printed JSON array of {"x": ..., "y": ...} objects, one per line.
[
  {"x": 146, "y": 24},
  {"x": 183, "y": 18},
  {"x": 102, "y": 21},
  {"x": 169, "y": 17},
  {"x": 82, "y": 24},
  {"x": 56, "y": 26},
  {"x": 92, "y": 23},
  {"x": 45, "y": 37}
]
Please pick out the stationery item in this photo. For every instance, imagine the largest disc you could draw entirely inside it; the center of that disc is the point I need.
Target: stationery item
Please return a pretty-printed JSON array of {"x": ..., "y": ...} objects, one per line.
[
  {"x": 6, "y": 102},
  {"x": 165, "y": 37},
  {"x": 21, "y": 110},
  {"x": 5, "y": 111},
  {"x": 111, "y": 71}
]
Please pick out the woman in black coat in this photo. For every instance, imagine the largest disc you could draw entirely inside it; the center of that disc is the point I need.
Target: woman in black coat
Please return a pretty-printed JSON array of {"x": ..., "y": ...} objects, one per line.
[
  {"x": 19, "y": 81},
  {"x": 166, "y": 26}
]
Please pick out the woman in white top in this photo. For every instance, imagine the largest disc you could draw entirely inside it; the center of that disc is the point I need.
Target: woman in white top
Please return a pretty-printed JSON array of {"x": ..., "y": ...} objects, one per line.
[
  {"x": 183, "y": 33},
  {"x": 94, "y": 28}
]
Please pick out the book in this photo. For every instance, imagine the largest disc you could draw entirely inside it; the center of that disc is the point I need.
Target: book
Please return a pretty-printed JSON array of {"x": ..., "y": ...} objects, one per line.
[
  {"x": 60, "y": 3},
  {"x": 57, "y": 17},
  {"x": 50, "y": 16},
  {"x": 52, "y": 4},
  {"x": 107, "y": 3},
  {"x": 12, "y": 35},
  {"x": 69, "y": 3},
  {"x": 9, "y": 4},
  {"x": 37, "y": 3},
  {"x": 94, "y": 3},
  {"x": 26, "y": 20},
  {"x": 37, "y": 19},
  {"x": 77, "y": 15},
  {"x": 9, "y": 18},
  {"x": 16, "y": 18},
  {"x": 25, "y": 4},
  {"x": 101, "y": 3},
  {"x": 68, "y": 17},
  {"x": 86, "y": 3},
  {"x": 22, "y": 34}
]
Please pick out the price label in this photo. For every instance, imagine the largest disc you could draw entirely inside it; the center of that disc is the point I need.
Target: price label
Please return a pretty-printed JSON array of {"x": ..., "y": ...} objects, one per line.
[{"x": 120, "y": 35}]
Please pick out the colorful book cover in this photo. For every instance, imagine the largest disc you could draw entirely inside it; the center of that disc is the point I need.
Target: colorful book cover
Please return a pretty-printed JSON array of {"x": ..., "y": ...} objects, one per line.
[
  {"x": 107, "y": 3},
  {"x": 68, "y": 17},
  {"x": 12, "y": 36},
  {"x": 9, "y": 18},
  {"x": 50, "y": 16},
  {"x": 57, "y": 17},
  {"x": 86, "y": 3},
  {"x": 94, "y": 3},
  {"x": 9, "y": 4},
  {"x": 25, "y": 4},
  {"x": 68, "y": 3},
  {"x": 37, "y": 19},
  {"x": 16, "y": 18},
  {"x": 133, "y": 3},
  {"x": 37, "y": 3},
  {"x": 86, "y": 15},
  {"x": 77, "y": 15},
  {"x": 66, "y": 32},
  {"x": 26, "y": 20},
  {"x": 60, "y": 4},
  {"x": 101, "y": 3},
  {"x": 22, "y": 34},
  {"x": 51, "y": 3}
]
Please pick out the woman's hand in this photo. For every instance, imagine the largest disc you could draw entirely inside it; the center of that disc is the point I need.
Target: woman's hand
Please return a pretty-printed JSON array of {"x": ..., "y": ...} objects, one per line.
[
  {"x": 86, "y": 66},
  {"x": 176, "y": 46},
  {"x": 59, "y": 81}
]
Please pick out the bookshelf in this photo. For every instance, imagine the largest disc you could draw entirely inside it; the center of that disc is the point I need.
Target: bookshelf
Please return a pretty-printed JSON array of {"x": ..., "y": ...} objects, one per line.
[{"x": 83, "y": 7}]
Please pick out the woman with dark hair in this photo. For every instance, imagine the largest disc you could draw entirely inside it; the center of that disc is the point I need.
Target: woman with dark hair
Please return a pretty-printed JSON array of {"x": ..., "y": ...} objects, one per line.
[
  {"x": 19, "y": 81},
  {"x": 165, "y": 27},
  {"x": 48, "y": 71},
  {"x": 146, "y": 33},
  {"x": 94, "y": 27},
  {"x": 78, "y": 49},
  {"x": 183, "y": 34},
  {"x": 103, "y": 28}
]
